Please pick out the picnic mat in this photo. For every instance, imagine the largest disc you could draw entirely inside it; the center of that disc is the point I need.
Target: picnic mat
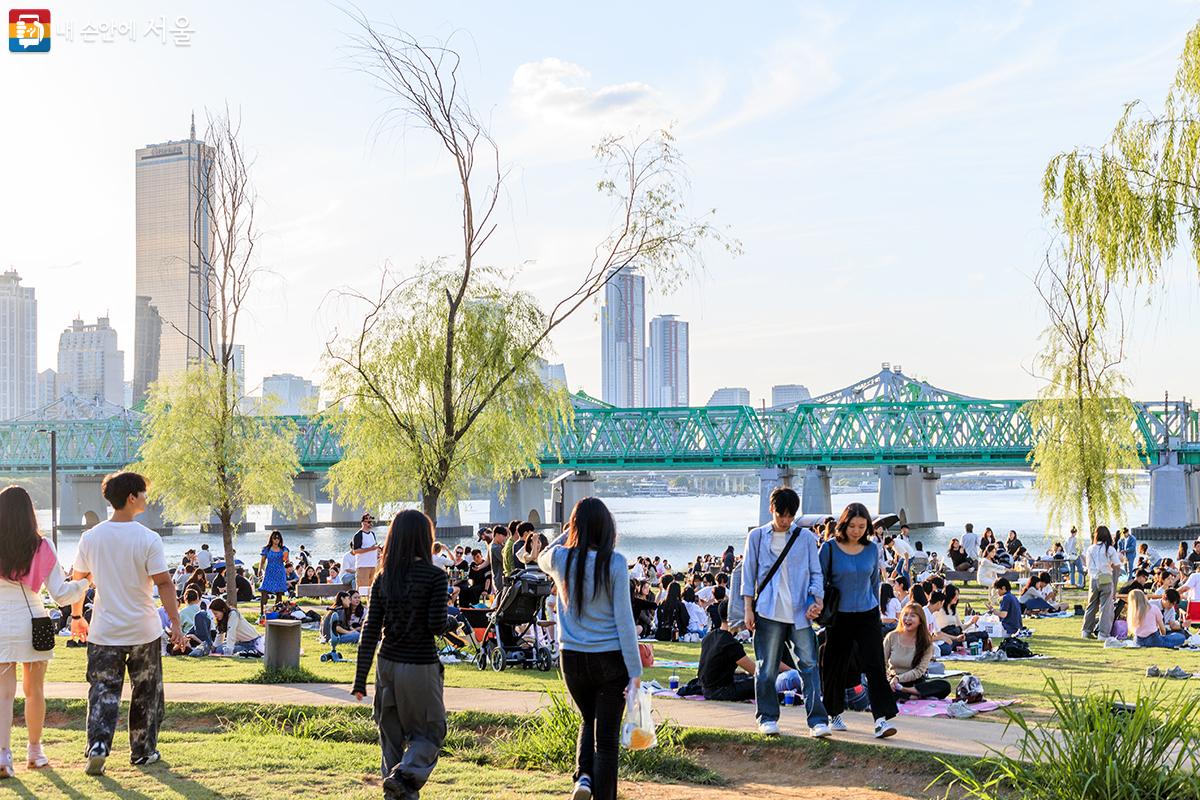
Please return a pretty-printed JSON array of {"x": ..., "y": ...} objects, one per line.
[
  {"x": 668, "y": 664},
  {"x": 960, "y": 657},
  {"x": 937, "y": 708}
]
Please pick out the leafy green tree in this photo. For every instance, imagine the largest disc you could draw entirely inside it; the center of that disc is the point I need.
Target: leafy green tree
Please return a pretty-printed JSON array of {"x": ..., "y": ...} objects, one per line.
[
  {"x": 1128, "y": 202},
  {"x": 200, "y": 453},
  {"x": 1085, "y": 429},
  {"x": 439, "y": 381}
]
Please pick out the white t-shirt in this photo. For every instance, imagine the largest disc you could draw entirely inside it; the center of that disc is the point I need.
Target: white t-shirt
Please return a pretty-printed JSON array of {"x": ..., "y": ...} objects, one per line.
[
  {"x": 1192, "y": 583},
  {"x": 903, "y": 548},
  {"x": 365, "y": 539},
  {"x": 704, "y": 595},
  {"x": 204, "y": 559},
  {"x": 893, "y": 609},
  {"x": 637, "y": 572},
  {"x": 348, "y": 562},
  {"x": 441, "y": 561},
  {"x": 783, "y": 593},
  {"x": 121, "y": 557}
]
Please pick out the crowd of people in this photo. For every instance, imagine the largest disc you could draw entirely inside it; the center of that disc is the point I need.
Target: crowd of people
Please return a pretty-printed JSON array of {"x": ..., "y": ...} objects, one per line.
[{"x": 838, "y": 612}]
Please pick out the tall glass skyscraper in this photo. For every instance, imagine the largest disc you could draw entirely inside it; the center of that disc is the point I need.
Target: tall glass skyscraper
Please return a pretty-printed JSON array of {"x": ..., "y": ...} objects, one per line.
[
  {"x": 18, "y": 347},
  {"x": 174, "y": 249},
  {"x": 667, "y": 363},
  {"x": 623, "y": 340}
]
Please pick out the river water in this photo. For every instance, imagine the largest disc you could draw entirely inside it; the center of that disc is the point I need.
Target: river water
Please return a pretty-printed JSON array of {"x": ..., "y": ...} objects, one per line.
[{"x": 678, "y": 528}]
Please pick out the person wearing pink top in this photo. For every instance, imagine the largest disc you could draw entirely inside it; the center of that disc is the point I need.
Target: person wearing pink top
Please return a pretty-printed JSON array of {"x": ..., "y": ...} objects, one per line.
[
  {"x": 27, "y": 563},
  {"x": 1146, "y": 623}
]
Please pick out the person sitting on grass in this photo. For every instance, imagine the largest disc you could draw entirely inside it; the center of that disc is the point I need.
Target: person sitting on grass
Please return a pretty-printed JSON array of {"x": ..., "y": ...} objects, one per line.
[
  {"x": 234, "y": 634},
  {"x": 196, "y": 624},
  {"x": 889, "y": 613},
  {"x": 952, "y": 624},
  {"x": 1170, "y": 612},
  {"x": 1039, "y": 595},
  {"x": 1009, "y": 610},
  {"x": 336, "y": 625},
  {"x": 989, "y": 570},
  {"x": 907, "y": 652},
  {"x": 697, "y": 625},
  {"x": 1146, "y": 623},
  {"x": 721, "y": 655},
  {"x": 672, "y": 616}
]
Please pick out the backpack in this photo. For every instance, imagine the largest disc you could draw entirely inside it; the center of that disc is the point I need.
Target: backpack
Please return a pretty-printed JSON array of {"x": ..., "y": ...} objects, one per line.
[
  {"x": 969, "y": 690},
  {"x": 1016, "y": 648}
]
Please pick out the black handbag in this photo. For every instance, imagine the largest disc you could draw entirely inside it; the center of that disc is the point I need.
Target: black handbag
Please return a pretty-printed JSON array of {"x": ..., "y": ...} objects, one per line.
[
  {"x": 43, "y": 628},
  {"x": 833, "y": 596}
]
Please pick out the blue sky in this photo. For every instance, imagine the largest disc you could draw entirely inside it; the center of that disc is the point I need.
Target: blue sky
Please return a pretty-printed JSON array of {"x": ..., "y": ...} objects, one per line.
[{"x": 880, "y": 162}]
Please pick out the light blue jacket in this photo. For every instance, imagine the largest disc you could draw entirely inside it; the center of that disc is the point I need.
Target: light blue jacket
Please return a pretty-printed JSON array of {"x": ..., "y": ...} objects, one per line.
[{"x": 803, "y": 566}]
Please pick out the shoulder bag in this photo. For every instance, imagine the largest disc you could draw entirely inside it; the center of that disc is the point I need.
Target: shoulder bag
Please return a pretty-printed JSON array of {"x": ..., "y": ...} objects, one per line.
[
  {"x": 775, "y": 567},
  {"x": 43, "y": 628},
  {"x": 833, "y": 596}
]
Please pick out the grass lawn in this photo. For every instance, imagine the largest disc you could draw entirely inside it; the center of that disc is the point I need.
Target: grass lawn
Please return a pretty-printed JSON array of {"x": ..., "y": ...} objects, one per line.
[{"x": 257, "y": 751}]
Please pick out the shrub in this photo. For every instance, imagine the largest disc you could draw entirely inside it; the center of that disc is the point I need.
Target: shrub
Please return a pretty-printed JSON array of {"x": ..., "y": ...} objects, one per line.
[
  {"x": 284, "y": 675},
  {"x": 1096, "y": 747}
]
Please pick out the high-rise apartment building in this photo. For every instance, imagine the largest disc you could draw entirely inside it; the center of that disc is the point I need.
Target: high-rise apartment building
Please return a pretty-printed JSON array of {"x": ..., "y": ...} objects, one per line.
[
  {"x": 623, "y": 340},
  {"x": 174, "y": 249},
  {"x": 47, "y": 387},
  {"x": 290, "y": 394},
  {"x": 667, "y": 363},
  {"x": 730, "y": 396},
  {"x": 18, "y": 347},
  {"x": 89, "y": 363},
  {"x": 787, "y": 394}
]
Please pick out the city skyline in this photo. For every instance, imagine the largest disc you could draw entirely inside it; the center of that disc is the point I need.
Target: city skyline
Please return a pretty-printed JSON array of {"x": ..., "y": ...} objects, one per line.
[{"x": 891, "y": 161}]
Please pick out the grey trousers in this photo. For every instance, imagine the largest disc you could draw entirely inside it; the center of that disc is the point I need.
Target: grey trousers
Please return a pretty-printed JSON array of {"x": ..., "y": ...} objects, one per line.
[
  {"x": 106, "y": 666},
  {"x": 411, "y": 716},
  {"x": 1100, "y": 601}
]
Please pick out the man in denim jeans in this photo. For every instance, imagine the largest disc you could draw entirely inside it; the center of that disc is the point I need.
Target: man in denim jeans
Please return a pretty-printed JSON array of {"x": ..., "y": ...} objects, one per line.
[{"x": 786, "y": 606}]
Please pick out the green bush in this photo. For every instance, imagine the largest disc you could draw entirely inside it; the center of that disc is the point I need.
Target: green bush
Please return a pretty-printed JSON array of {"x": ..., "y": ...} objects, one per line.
[
  {"x": 284, "y": 675},
  {"x": 1095, "y": 747}
]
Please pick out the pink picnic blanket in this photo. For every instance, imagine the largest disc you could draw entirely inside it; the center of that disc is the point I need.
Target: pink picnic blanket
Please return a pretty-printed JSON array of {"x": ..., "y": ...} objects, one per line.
[{"x": 937, "y": 708}]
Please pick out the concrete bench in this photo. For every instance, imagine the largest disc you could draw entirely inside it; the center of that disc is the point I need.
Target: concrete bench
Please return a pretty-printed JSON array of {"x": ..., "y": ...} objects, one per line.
[{"x": 320, "y": 589}]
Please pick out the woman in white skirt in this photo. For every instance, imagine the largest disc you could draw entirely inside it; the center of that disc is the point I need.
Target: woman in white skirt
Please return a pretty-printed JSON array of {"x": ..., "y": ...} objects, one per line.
[{"x": 27, "y": 562}]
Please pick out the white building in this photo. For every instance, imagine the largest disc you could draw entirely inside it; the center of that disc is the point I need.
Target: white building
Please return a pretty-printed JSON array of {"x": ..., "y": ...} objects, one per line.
[
  {"x": 667, "y": 363},
  {"x": 553, "y": 374},
  {"x": 89, "y": 363},
  {"x": 623, "y": 340},
  {"x": 239, "y": 368},
  {"x": 788, "y": 394},
  {"x": 47, "y": 387},
  {"x": 730, "y": 396},
  {"x": 18, "y": 347},
  {"x": 290, "y": 394}
]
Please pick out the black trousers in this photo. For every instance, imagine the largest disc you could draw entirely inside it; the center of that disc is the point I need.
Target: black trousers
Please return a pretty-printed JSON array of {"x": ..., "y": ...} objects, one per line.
[
  {"x": 926, "y": 687},
  {"x": 597, "y": 683},
  {"x": 742, "y": 688},
  {"x": 856, "y": 636}
]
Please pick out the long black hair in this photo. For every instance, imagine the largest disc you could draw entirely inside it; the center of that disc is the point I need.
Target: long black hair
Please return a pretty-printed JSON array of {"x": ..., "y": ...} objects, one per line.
[
  {"x": 19, "y": 537},
  {"x": 1103, "y": 536},
  {"x": 591, "y": 528},
  {"x": 218, "y": 605},
  {"x": 276, "y": 535},
  {"x": 851, "y": 512}
]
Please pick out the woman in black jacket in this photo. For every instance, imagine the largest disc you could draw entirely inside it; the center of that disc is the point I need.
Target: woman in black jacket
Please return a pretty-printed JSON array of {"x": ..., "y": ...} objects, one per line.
[
  {"x": 672, "y": 616},
  {"x": 408, "y": 605}
]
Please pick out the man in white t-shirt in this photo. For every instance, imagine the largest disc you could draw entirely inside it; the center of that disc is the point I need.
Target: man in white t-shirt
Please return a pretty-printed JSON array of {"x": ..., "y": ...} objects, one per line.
[
  {"x": 125, "y": 562},
  {"x": 365, "y": 548},
  {"x": 204, "y": 558}
]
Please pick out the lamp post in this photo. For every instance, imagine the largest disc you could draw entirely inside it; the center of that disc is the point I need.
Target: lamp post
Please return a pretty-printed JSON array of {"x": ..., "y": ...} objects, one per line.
[{"x": 53, "y": 485}]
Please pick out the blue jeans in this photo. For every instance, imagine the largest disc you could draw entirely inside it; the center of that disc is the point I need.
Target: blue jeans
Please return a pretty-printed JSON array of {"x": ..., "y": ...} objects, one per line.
[
  {"x": 346, "y": 638},
  {"x": 1076, "y": 571},
  {"x": 250, "y": 646},
  {"x": 1156, "y": 639},
  {"x": 769, "y": 638}
]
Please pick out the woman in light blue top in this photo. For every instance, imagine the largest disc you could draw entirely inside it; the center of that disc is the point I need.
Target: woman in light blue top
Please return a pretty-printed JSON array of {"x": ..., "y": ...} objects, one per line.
[{"x": 597, "y": 638}]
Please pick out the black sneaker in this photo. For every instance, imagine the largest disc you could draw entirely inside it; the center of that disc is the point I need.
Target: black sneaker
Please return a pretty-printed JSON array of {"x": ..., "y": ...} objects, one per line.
[
  {"x": 147, "y": 760},
  {"x": 95, "y": 759}
]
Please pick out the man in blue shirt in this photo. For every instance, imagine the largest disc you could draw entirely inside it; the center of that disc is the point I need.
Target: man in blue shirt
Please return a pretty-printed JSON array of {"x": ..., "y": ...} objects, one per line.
[
  {"x": 1010, "y": 608},
  {"x": 1129, "y": 545},
  {"x": 783, "y": 609}
]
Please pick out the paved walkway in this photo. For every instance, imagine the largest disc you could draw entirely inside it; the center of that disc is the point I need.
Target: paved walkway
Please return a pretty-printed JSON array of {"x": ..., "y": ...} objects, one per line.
[{"x": 958, "y": 737}]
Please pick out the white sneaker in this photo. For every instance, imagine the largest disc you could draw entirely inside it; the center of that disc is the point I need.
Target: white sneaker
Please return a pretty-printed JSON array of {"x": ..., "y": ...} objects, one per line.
[
  {"x": 837, "y": 723},
  {"x": 820, "y": 730},
  {"x": 884, "y": 729},
  {"x": 768, "y": 727}
]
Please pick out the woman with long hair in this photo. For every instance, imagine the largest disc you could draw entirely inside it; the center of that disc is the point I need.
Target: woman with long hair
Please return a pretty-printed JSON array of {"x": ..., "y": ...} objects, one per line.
[
  {"x": 597, "y": 640},
  {"x": 1100, "y": 561},
  {"x": 272, "y": 565},
  {"x": 850, "y": 562},
  {"x": 408, "y": 608},
  {"x": 672, "y": 616},
  {"x": 234, "y": 633},
  {"x": 908, "y": 651},
  {"x": 27, "y": 563}
]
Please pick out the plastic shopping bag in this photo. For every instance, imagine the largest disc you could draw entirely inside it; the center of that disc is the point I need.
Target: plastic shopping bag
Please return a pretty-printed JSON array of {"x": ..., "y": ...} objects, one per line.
[{"x": 638, "y": 731}]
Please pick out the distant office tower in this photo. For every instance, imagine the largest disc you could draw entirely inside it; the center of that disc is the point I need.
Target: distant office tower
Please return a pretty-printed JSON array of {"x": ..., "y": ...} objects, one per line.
[
  {"x": 47, "y": 387},
  {"x": 667, "y": 363},
  {"x": 239, "y": 367},
  {"x": 89, "y": 363},
  {"x": 18, "y": 347},
  {"x": 623, "y": 340},
  {"x": 128, "y": 401},
  {"x": 290, "y": 394},
  {"x": 174, "y": 250},
  {"x": 789, "y": 394},
  {"x": 730, "y": 396},
  {"x": 553, "y": 374}
]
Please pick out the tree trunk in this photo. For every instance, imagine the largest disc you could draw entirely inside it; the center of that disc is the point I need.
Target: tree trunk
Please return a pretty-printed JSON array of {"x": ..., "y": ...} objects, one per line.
[
  {"x": 429, "y": 501},
  {"x": 227, "y": 531}
]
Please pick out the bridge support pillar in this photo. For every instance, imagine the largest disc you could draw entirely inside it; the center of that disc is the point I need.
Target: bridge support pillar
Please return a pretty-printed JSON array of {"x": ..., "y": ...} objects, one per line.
[
  {"x": 568, "y": 489},
  {"x": 912, "y": 493},
  {"x": 816, "y": 498},
  {"x": 341, "y": 515},
  {"x": 768, "y": 479},
  {"x": 524, "y": 499},
  {"x": 894, "y": 489},
  {"x": 81, "y": 504},
  {"x": 927, "y": 512},
  {"x": 1172, "y": 496},
  {"x": 153, "y": 518},
  {"x": 240, "y": 525},
  {"x": 305, "y": 485}
]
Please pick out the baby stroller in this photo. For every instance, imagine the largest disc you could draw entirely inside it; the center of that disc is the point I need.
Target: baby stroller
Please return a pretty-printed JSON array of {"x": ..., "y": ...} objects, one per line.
[{"x": 508, "y": 624}]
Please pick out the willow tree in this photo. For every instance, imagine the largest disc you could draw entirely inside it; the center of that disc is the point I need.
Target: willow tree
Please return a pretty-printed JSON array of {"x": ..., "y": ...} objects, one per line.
[
  {"x": 439, "y": 378},
  {"x": 1085, "y": 429},
  {"x": 201, "y": 454},
  {"x": 1129, "y": 202}
]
